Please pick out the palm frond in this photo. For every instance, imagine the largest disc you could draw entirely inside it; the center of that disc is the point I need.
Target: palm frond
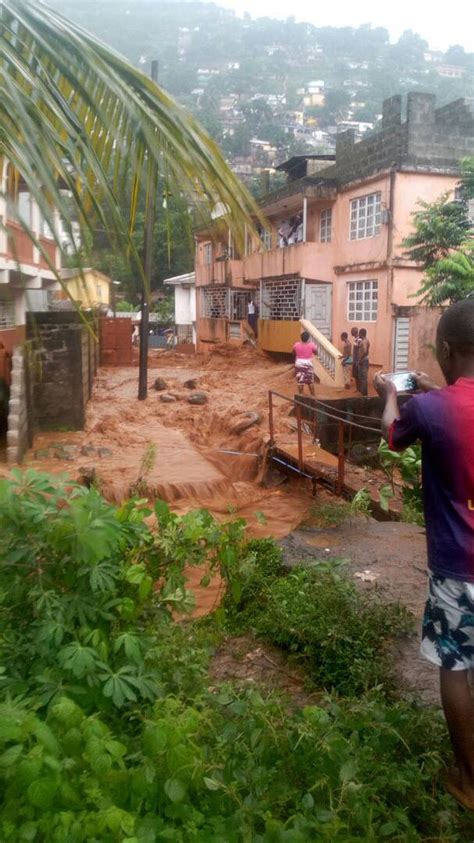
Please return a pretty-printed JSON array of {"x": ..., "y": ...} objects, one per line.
[{"x": 76, "y": 117}]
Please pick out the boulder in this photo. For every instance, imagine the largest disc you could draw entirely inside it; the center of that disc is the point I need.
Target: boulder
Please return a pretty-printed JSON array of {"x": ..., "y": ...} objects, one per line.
[
  {"x": 198, "y": 398},
  {"x": 160, "y": 385},
  {"x": 104, "y": 452},
  {"x": 192, "y": 383},
  {"x": 167, "y": 398},
  {"x": 88, "y": 450}
]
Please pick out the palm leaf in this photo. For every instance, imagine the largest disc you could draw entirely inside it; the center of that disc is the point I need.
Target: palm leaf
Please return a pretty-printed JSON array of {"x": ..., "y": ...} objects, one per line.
[{"x": 76, "y": 117}]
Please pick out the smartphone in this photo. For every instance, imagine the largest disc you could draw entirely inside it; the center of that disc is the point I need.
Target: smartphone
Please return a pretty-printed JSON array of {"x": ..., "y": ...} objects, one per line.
[{"x": 404, "y": 381}]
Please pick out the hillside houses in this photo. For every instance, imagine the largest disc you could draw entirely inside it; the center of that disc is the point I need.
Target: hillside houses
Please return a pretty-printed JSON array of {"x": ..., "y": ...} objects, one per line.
[{"x": 332, "y": 250}]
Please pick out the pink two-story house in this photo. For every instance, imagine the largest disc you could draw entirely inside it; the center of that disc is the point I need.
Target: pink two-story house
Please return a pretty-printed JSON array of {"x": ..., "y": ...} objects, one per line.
[{"x": 331, "y": 254}]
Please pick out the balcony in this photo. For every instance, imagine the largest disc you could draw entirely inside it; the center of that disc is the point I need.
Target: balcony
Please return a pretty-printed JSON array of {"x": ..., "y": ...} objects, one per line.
[
  {"x": 302, "y": 260},
  {"x": 19, "y": 246},
  {"x": 219, "y": 272},
  {"x": 49, "y": 248}
]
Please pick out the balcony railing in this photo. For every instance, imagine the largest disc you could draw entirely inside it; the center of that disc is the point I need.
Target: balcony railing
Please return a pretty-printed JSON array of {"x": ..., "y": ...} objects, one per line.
[
  {"x": 297, "y": 260},
  {"x": 218, "y": 272}
]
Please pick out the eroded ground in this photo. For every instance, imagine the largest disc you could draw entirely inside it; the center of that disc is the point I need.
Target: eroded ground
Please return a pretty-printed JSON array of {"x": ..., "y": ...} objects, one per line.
[{"x": 206, "y": 455}]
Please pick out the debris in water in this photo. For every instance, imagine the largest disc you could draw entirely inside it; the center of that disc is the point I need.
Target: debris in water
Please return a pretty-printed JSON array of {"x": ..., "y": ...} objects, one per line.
[{"x": 160, "y": 385}]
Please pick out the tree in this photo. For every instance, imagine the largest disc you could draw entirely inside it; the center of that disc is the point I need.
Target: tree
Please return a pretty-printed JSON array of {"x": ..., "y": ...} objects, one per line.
[
  {"x": 77, "y": 118},
  {"x": 440, "y": 243}
]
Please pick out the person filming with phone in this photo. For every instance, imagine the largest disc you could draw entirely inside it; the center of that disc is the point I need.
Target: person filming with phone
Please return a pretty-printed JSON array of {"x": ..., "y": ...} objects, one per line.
[{"x": 442, "y": 419}]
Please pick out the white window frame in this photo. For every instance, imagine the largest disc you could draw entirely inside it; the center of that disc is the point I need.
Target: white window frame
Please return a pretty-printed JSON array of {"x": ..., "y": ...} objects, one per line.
[
  {"x": 325, "y": 225},
  {"x": 365, "y": 216},
  {"x": 207, "y": 254},
  {"x": 266, "y": 236},
  {"x": 362, "y": 300},
  {"x": 7, "y": 313}
]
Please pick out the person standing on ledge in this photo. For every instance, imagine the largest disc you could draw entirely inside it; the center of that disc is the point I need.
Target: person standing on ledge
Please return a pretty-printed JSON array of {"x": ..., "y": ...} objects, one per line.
[
  {"x": 355, "y": 351},
  {"x": 363, "y": 363},
  {"x": 443, "y": 420},
  {"x": 304, "y": 352}
]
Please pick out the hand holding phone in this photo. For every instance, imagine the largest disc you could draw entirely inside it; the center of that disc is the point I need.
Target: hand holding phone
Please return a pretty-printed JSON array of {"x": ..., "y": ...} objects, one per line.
[{"x": 403, "y": 381}]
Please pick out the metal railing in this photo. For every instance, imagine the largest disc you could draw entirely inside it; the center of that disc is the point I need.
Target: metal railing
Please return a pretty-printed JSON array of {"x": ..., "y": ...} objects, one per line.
[{"x": 331, "y": 413}]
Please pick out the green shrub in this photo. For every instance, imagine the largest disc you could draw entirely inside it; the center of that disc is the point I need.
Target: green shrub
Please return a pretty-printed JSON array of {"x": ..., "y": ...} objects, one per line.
[{"x": 109, "y": 732}]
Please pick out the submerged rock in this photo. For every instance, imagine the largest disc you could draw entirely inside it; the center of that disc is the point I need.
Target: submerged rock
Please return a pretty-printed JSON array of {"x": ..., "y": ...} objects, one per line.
[
  {"x": 167, "y": 398},
  {"x": 192, "y": 383},
  {"x": 160, "y": 385},
  {"x": 198, "y": 398}
]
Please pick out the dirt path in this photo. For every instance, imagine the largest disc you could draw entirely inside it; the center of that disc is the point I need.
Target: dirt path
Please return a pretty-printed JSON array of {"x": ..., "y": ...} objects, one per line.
[{"x": 389, "y": 557}]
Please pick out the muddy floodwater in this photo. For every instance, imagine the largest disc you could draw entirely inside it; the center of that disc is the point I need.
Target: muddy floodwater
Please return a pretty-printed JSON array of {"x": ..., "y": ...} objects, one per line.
[{"x": 213, "y": 455}]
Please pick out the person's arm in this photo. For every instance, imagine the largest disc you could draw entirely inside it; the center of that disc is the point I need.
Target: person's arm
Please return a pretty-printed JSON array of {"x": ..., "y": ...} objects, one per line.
[{"x": 387, "y": 391}]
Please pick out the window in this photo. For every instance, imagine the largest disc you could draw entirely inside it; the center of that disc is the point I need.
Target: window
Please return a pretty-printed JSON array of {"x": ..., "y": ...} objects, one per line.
[
  {"x": 7, "y": 313},
  {"x": 366, "y": 213},
  {"x": 325, "y": 225},
  {"x": 207, "y": 254},
  {"x": 266, "y": 236},
  {"x": 362, "y": 301},
  {"x": 45, "y": 230},
  {"x": 98, "y": 291}
]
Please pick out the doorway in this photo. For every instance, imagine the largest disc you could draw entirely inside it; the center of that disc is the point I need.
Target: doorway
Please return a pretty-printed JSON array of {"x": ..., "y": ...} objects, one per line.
[{"x": 318, "y": 307}]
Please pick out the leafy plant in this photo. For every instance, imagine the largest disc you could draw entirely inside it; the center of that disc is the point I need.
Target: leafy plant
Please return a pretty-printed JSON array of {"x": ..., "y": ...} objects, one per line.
[{"x": 407, "y": 464}]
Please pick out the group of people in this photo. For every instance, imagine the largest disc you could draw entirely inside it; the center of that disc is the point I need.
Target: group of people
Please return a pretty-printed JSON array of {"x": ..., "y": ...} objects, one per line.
[
  {"x": 291, "y": 231},
  {"x": 355, "y": 359}
]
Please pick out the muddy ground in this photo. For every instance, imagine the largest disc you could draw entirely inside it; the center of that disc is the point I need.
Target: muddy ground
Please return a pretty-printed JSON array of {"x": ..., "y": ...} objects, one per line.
[{"x": 206, "y": 455}]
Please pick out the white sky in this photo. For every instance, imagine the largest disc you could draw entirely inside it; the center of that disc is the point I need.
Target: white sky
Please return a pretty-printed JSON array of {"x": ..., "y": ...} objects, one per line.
[{"x": 441, "y": 24}]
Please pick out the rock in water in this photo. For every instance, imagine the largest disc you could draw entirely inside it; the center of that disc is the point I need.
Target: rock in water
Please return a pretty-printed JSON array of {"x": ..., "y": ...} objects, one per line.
[
  {"x": 198, "y": 398},
  {"x": 191, "y": 383},
  {"x": 167, "y": 398},
  {"x": 160, "y": 385}
]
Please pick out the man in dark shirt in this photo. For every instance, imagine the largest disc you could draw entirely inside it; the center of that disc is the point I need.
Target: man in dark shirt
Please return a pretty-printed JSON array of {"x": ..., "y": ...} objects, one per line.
[{"x": 443, "y": 420}]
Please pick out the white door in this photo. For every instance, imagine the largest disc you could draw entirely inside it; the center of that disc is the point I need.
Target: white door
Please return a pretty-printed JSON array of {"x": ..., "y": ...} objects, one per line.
[
  {"x": 401, "y": 344},
  {"x": 318, "y": 305}
]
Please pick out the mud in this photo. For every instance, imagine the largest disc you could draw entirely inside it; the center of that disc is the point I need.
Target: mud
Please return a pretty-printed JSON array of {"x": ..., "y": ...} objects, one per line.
[{"x": 213, "y": 456}]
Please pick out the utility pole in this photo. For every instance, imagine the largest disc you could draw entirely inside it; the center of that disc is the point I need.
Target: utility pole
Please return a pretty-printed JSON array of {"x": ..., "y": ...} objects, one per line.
[{"x": 148, "y": 266}]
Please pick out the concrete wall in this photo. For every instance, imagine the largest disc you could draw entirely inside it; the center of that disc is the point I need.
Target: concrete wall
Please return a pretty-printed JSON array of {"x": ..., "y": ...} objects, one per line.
[
  {"x": 19, "y": 430},
  {"x": 62, "y": 360}
]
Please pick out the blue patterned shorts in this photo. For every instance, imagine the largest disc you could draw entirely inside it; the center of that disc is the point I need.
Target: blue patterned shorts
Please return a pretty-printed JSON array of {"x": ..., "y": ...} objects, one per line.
[{"x": 448, "y": 624}]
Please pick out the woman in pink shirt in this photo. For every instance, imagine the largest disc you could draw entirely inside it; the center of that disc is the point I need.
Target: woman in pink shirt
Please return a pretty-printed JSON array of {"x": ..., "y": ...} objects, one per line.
[{"x": 304, "y": 352}]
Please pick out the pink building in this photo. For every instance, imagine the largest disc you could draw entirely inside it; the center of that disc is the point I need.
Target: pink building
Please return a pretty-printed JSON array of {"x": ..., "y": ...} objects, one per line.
[{"x": 331, "y": 254}]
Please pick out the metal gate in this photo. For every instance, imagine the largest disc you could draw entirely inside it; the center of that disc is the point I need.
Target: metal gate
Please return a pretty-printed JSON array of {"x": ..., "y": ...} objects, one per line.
[
  {"x": 401, "y": 344},
  {"x": 318, "y": 307}
]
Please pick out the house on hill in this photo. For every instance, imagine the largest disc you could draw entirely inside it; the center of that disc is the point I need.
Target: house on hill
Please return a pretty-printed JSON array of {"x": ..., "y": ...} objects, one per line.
[{"x": 332, "y": 251}]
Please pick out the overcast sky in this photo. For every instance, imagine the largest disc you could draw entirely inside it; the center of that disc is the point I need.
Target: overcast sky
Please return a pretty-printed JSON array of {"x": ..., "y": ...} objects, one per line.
[{"x": 440, "y": 24}]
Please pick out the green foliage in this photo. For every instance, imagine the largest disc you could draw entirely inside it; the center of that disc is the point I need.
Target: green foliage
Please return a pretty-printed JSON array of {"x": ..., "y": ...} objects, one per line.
[
  {"x": 125, "y": 307},
  {"x": 109, "y": 731},
  {"x": 440, "y": 244},
  {"x": 342, "y": 635},
  {"x": 407, "y": 464}
]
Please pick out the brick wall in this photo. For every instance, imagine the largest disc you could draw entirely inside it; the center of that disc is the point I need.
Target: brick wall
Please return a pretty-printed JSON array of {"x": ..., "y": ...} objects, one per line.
[
  {"x": 215, "y": 302},
  {"x": 281, "y": 299},
  {"x": 62, "y": 361}
]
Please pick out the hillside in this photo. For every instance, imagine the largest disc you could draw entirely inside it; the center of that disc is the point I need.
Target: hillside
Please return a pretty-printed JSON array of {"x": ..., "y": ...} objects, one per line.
[{"x": 291, "y": 86}]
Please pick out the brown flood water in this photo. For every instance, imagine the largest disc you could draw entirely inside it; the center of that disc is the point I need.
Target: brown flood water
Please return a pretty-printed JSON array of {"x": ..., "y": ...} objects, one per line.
[{"x": 174, "y": 451}]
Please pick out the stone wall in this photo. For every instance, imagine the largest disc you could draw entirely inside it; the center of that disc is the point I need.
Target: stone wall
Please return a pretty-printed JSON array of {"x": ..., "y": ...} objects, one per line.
[
  {"x": 19, "y": 433},
  {"x": 62, "y": 361}
]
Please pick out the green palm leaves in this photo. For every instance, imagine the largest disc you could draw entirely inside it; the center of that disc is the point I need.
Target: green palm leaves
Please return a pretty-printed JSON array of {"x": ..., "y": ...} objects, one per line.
[{"x": 83, "y": 126}]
